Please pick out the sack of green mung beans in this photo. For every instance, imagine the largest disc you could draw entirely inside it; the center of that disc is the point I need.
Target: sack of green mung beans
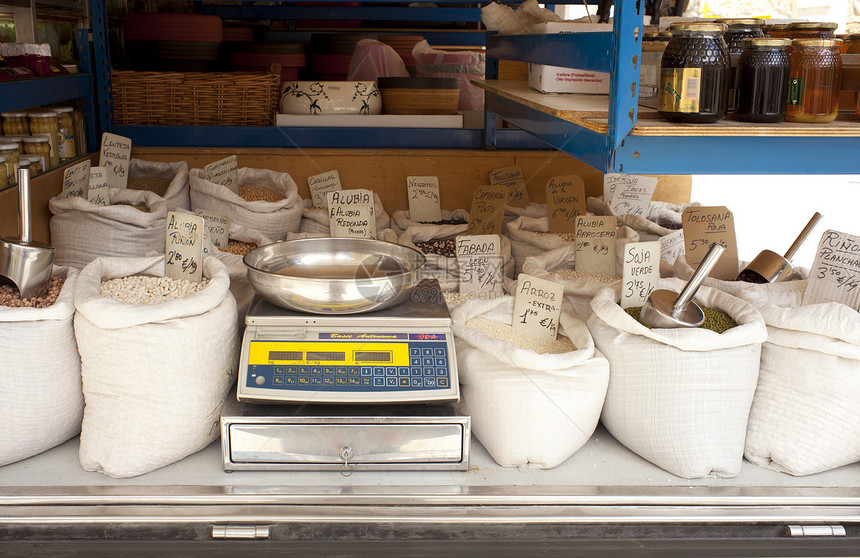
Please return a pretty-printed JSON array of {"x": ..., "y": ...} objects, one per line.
[
  {"x": 267, "y": 201},
  {"x": 41, "y": 403},
  {"x": 158, "y": 360},
  {"x": 400, "y": 220},
  {"x": 662, "y": 218},
  {"x": 168, "y": 180},
  {"x": 132, "y": 225},
  {"x": 680, "y": 398},
  {"x": 316, "y": 219},
  {"x": 805, "y": 416},
  {"x": 533, "y": 402}
]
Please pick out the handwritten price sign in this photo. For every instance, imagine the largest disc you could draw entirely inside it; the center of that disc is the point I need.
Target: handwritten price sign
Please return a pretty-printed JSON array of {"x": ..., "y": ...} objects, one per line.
[
  {"x": 183, "y": 247},
  {"x": 835, "y": 273},
  {"x": 565, "y": 200},
  {"x": 481, "y": 266},
  {"x": 537, "y": 307},
  {"x": 423, "y": 193},
  {"x": 115, "y": 158}
]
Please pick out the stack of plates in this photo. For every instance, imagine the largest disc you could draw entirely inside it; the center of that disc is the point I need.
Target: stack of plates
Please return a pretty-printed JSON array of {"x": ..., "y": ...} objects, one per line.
[
  {"x": 256, "y": 57},
  {"x": 173, "y": 42}
]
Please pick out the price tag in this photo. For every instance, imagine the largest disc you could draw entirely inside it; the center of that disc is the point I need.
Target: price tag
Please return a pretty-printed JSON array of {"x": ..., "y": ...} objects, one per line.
[
  {"x": 565, "y": 199},
  {"x": 672, "y": 246},
  {"x": 98, "y": 191},
  {"x": 217, "y": 227},
  {"x": 321, "y": 184},
  {"x": 183, "y": 247},
  {"x": 481, "y": 266},
  {"x": 424, "y": 205},
  {"x": 835, "y": 273},
  {"x": 115, "y": 157},
  {"x": 595, "y": 245},
  {"x": 76, "y": 180},
  {"x": 702, "y": 227},
  {"x": 488, "y": 210},
  {"x": 224, "y": 172},
  {"x": 512, "y": 179},
  {"x": 351, "y": 213},
  {"x": 633, "y": 198},
  {"x": 537, "y": 306},
  {"x": 640, "y": 273}
]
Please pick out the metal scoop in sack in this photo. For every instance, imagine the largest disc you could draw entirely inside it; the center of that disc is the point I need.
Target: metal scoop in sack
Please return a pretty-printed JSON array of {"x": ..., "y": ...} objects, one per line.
[
  {"x": 667, "y": 309},
  {"x": 770, "y": 267},
  {"x": 23, "y": 261}
]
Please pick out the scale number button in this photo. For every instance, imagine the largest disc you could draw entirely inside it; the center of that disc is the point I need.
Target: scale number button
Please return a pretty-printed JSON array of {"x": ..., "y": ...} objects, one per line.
[
  {"x": 379, "y": 381},
  {"x": 279, "y": 370},
  {"x": 354, "y": 381},
  {"x": 414, "y": 352},
  {"x": 415, "y": 362},
  {"x": 427, "y": 352},
  {"x": 428, "y": 371},
  {"x": 290, "y": 381},
  {"x": 416, "y": 382},
  {"x": 327, "y": 381},
  {"x": 442, "y": 382},
  {"x": 428, "y": 362},
  {"x": 404, "y": 382},
  {"x": 441, "y": 371},
  {"x": 278, "y": 381},
  {"x": 391, "y": 382},
  {"x": 441, "y": 362},
  {"x": 416, "y": 372},
  {"x": 316, "y": 381},
  {"x": 439, "y": 352},
  {"x": 430, "y": 382},
  {"x": 304, "y": 381},
  {"x": 353, "y": 372},
  {"x": 340, "y": 381}
]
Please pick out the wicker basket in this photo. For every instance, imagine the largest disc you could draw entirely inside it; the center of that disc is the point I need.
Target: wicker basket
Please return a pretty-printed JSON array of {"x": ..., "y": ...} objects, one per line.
[{"x": 196, "y": 98}]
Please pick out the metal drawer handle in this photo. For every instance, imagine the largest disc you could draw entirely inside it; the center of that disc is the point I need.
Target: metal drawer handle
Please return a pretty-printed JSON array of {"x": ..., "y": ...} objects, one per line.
[{"x": 346, "y": 454}]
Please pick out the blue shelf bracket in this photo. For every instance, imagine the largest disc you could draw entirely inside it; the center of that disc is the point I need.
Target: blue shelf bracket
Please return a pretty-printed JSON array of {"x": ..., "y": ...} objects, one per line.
[
  {"x": 101, "y": 65},
  {"x": 624, "y": 70}
]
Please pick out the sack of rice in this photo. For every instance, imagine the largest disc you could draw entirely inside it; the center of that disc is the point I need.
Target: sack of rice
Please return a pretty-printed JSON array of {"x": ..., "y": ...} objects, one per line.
[
  {"x": 168, "y": 180},
  {"x": 400, "y": 220},
  {"x": 661, "y": 219},
  {"x": 315, "y": 219}
]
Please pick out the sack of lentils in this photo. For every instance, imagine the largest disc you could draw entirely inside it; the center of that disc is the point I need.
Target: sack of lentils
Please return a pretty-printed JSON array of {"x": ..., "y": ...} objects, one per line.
[
  {"x": 132, "y": 225},
  {"x": 267, "y": 201},
  {"x": 662, "y": 218},
  {"x": 533, "y": 402},
  {"x": 168, "y": 180},
  {"x": 41, "y": 403},
  {"x": 400, "y": 220},
  {"x": 805, "y": 415},
  {"x": 684, "y": 270},
  {"x": 315, "y": 219},
  {"x": 680, "y": 398},
  {"x": 158, "y": 360}
]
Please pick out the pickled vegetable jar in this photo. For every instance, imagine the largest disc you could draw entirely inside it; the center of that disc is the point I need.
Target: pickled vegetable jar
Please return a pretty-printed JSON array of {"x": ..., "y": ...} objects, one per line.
[
  {"x": 66, "y": 148},
  {"x": 10, "y": 152},
  {"x": 33, "y": 163},
  {"x": 762, "y": 81},
  {"x": 813, "y": 81},
  {"x": 15, "y": 123},
  {"x": 41, "y": 146},
  {"x": 46, "y": 123}
]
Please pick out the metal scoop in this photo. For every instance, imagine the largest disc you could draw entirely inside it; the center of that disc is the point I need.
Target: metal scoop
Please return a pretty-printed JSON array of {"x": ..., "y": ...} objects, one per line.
[
  {"x": 23, "y": 261},
  {"x": 667, "y": 309},
  {"x": 770, "y": 267}
]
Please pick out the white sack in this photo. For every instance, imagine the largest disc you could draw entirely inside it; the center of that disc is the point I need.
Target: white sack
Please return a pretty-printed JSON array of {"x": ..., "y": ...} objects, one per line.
[
  {"x": 400, "y": 220},
  {"x": 534, "y": 210},
  {"x": 651, "y": 226},
  {"x": 178, "y": 191},
  {"x": 41, "y": 403},
  {"x": 684, "y": 270},
  {"x": 315, "y": 219}
]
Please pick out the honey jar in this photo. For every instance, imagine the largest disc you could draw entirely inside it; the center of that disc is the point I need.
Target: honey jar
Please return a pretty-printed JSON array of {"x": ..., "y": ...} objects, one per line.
[
  {"x": 15, "y": 123},
  {"x": 813, "y": 81},
  {"x": 46, "y": 123},
  {"x": 762, "y": 80},
  {"x": 738, "y": 29},
  {"x": 811, "y": 30}
]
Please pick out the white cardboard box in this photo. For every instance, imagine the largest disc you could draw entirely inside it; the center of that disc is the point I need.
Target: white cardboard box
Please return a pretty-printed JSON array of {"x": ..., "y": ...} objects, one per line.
[{"x": 556, "y": 79}]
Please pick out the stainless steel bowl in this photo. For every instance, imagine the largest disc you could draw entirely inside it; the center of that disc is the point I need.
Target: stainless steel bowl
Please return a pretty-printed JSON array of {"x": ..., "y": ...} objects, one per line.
[{"x": 334, "y": 275}]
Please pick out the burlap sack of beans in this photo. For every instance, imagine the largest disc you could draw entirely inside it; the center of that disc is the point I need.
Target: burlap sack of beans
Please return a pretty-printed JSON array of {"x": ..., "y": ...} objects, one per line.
[
  {"x": 528, "y": 409},
  {"x": 178, "y": 191},
  {"x": 400, "y": 220},
  {"x": 805, "y": 415},
  {"x": 315, "y": 219},
  {"x": 41, "y": 403},
  {"x": 82, "y": 231},
  {"x": 155, "y": 376},
  {"x": 680, "y": 398},
  {"x": 661, "y": 219},
  {"x": 272, "y": 218}
]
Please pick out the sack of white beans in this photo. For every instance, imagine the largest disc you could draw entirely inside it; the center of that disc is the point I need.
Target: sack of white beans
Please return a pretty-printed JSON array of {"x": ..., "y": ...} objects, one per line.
[
  {"x": 533, "y": 210},
  {"x": 268, "y": 201},
  {"x": 41, "y": 403},
  {"x": 680, "y": 398},
  {"x": 82, "y": 231},
  {"x": 148, "y": 175},
  {"x": 316, "y": 219},
  {"x": 805, "y": 415},
  {"x": 533, "y": 403},
  {"x": 155, "y": 376},
  {"x": 400, "y": 220},
  {"x": 661, "y": 219}
]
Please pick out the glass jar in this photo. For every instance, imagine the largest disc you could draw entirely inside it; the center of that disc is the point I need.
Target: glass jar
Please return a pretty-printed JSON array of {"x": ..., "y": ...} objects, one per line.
[
  {"x": 66, "y": 148},
  {"x": 15, "y": 123},
  {"x": 694, "y": 74},
  {"x": 811, "y": 30},
  {"x": 4, "y": 175},
  {"x": 740, "y": 29},
  {"x": 813, "y": 82},
  {"x": 854, "y": 45},
  {"x": 33, "y": 163},
  {"x": 10, "y": 151},
  {"x": 80, "y": 133},
  {"x": 46, "y": 123},
  {"x": 40, "y": 146},
  {"x": 777, "y": 31},
  {"x": 763, "y": 69}
]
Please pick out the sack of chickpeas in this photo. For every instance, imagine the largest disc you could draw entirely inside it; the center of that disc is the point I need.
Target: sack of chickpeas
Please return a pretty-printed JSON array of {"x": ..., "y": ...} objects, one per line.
[
  {"x": 661, "y": 219},
  {"x": 158, "y": 360},
  {"x": 267, "y": 201},
  {"x": 533, "y": 402},
  {"x": 316, "y": 219},
  {"x": 805, "y": 415},
  {"x": 400, "y": 221},
  {"x": 132, "y": 225},
  {"x": 168, "y": 180},
  {"x": 680, "y": 398},
  {"x": 41, "y": 403}
]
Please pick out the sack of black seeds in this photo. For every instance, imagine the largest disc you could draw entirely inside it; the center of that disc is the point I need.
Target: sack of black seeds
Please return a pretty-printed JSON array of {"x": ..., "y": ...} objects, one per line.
[
  {"x": 684, "y": 270},
  {"x": 680, "y": 398},
  {"x": 132, "y": 225},
  {"x": 400, "y": 220},
  {"x": 805, "y": 415},
  {"x": 533, "y": 402},
  {"x": 158, "y": 360},
  {"x": 662, "y": 218},
  {"x": 316, "y": 219},
  {"x": 168, "y": 180},
  {"x": 41, "y": 403}
]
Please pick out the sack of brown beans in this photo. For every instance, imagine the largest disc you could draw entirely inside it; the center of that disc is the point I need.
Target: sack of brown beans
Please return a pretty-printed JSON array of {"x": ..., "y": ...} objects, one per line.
[
  {"x": 168, "y": 180},
  {"x": 267, "y": 201},
  {"x": 41, "y": 403},
  {"x": 158, "y": 360},
  {"x": 131, "y": 226},
  {"x": 684, "y": 270},
  {"x": 662, "y": 218},
  {"x": 316, "y": 219},
  {"x": 400, "y": 220},
  {"x": 805, "y": 416},
  {"x": 533, "y": 403},
  {"x": 680, "y": 398}
]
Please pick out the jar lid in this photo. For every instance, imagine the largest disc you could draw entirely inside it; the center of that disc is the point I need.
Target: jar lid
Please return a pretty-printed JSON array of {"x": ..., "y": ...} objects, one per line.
[
  {"x": 665, "y": 35},
  {"x": 36, "y": 139},
  {"x": 8, "y": 146},
  {"x": 43, "y": 114},
  {"x": 651, "y": 36},
  {"x": 741, "y": 21},
  {"x": 2, "y": 158},
  {"x": 28, "y": 158},
  {"x": 14, "y": 115},
  {"x": 16, "y": 138},
  {"x": 698, "y": 26},
  {"x": 813, "y": 25},
  {"x": 759, "y": 42},
  {"x": 63, "y": 109},
  {"x": 817, "y": 42},
  {"x": 777, "y": 26}
]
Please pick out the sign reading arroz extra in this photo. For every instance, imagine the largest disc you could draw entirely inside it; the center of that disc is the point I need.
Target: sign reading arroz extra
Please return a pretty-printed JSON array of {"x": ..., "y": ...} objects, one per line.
[
  {"x": 640, "y": 272},
  {"x": 424, "y": 203},
  {"x": 537, "y": 307},
  {"x": 704, "y": 226},
  {"x": 351, "y": 214},
  {"x": 565, "y": 200},
  {"x": 76, "y": 180},
  {"x": 595, "y": 245},
  {"x": 480, "y": 263},
  {"x": 487, "y": 210},
  {"x": 321, "y": 184},
  {"x": 224, "y": 172},
  {"x": 835, "y": 272},
  {"x": 98, "y": 191},
  {"x": 115, "y": 158},
  {"x": 512, "y": 179},
  {"x": 183, "y": 247}
]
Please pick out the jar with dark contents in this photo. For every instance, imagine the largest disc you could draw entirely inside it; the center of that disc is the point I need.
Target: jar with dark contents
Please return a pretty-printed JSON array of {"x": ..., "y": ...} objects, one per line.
[
  {"x": 694, "y": 74},
  {"x": 813, "y": 81},
  {"x": 738, "y": 29},
  {"x": 812, "y": 30},
  {"x": 763, "y": 69},
  {"x": 854, "y": 44},
  {"x": 777, "y": 31}
]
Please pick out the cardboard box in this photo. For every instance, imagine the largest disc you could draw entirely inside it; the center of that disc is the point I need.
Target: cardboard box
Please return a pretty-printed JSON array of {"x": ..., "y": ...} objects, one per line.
[{"x": 556, "y": 79}]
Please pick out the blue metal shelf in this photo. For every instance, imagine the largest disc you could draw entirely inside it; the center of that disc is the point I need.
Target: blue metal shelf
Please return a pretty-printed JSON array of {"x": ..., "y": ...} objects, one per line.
[{"x": 29, "y": 93}]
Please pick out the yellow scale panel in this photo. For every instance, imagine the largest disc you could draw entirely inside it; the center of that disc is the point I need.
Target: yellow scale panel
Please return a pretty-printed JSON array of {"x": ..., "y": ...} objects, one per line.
[{"x": 260, "y": 351}]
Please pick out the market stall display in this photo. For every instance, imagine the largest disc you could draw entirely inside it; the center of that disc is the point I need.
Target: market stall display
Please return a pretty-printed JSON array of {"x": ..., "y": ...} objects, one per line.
[
  {"x": 401, "y": 220},
  {"x": 315, "y": 220},
  {"x": 168, "y": 180}
]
